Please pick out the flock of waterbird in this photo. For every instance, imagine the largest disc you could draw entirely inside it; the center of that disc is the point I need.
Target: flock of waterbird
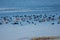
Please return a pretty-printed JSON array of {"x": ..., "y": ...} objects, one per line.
[{"x": 29, "y": 19}]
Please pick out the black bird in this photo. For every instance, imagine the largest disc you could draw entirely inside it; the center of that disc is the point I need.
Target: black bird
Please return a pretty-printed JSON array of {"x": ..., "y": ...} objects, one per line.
[
  {"x": 0, "y": 23},
  {"x": 53, "y": 15},
  {"x": 58, "y": 23},
  {"x": 32, "y": 22},
  {"x": 28, "y": 22},
  {"x": 59, "y": 18},
  {"x": 52, "y": 23},
  {"x": 25, "y": 15},
  {"x": 15, "y": 23}
]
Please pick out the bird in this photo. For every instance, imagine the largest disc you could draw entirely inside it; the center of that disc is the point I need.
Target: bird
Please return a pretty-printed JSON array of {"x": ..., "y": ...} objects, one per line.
[
  {"x": 28, "y": 22},
  {"x": 25, "y": 15},
  {"x": 58, "y": 18},
  {"x": 0, "y": 23},
  {"x": 58, "y": 22},
  {"x": 45, "y": 16},
  {"x": 15, "y": 23},
  {"x": 5, "y": 20},
  {"x": 52, "y": 23},
  {"x": 40, "y": 15}
]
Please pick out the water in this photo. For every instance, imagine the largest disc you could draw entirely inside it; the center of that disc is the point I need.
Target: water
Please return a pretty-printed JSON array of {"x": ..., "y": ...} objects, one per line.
[{"x": 29, "y": 7}]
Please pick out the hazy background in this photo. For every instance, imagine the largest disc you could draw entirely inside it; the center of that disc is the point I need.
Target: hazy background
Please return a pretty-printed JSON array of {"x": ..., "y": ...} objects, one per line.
[
  {"x": 28, "y": 3},
  {"x": 17, "y": 32}
]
